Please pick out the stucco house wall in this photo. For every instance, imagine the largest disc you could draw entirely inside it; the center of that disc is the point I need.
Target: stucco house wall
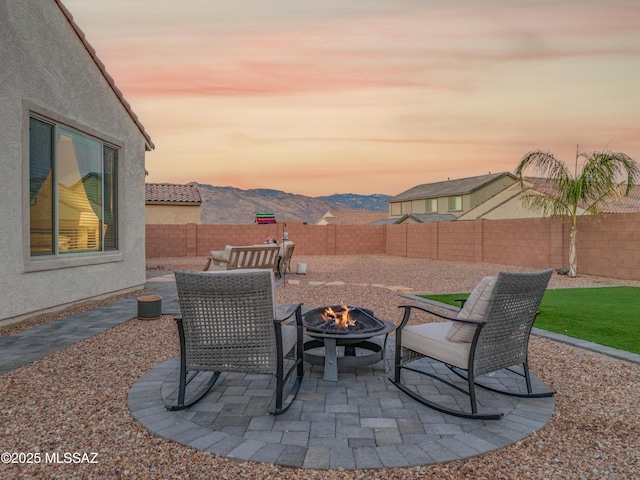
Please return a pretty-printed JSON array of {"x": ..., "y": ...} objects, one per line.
[
  {"x": 505, "y": 204},
  {"x": 488, "y": 191},
  {"x": 171, "y": 214},
  {"x": 48, "y": 70}
]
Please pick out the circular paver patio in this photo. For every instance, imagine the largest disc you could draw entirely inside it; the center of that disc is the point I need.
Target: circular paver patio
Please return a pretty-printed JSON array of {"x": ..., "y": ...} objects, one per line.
[{"x": 361, "y": 421}]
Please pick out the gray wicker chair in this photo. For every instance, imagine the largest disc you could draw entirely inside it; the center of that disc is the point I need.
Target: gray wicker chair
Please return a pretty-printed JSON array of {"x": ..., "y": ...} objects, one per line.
[
  {"x": 496, "y": 340},
  {"x": 230, "y": 323}
]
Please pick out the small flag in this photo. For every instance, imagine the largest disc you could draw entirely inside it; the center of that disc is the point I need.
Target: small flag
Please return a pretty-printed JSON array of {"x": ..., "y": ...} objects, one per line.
[{"x": 265, "y": 218}]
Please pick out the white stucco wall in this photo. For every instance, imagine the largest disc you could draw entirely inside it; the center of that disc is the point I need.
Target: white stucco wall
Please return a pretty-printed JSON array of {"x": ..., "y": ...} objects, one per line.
[{"x": 46, "y": 67}]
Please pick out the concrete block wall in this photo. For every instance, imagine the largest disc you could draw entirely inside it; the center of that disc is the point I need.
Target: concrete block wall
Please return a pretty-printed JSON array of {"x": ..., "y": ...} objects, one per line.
[
  {"x": 456, "y": 241},
  {"x": 359, "y": 239},
  {"x": 313, "y": 239},
  {"x": 526, "y": 242},
  {"x": 422, "y": 240},
  {"x": 216, "y": 237},
  {"x": 610, "y": 247},
  {"x": 396, "y": 239},
  {"x": 166, "y": 241}
]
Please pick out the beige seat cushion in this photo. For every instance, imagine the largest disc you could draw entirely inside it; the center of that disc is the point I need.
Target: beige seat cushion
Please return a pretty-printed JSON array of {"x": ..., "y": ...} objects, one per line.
[
  {"x": 431, "y": 339},
  {"x": 222, "y": 255},
  {"x": 284, "y": 246},
  {"x": 474, "y": 309}
]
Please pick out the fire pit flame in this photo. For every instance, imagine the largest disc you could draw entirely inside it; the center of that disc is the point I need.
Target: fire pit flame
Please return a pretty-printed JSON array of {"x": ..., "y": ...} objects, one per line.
[{"x": 341, "y": 318}]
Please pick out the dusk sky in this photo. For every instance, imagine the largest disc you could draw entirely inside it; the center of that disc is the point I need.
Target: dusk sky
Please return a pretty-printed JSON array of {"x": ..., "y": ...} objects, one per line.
[{"x": 366, "y": 96}]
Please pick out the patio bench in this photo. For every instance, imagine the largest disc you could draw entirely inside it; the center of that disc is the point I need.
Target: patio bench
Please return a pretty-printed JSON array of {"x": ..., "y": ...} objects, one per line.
[{"x": 249, "y": 256}]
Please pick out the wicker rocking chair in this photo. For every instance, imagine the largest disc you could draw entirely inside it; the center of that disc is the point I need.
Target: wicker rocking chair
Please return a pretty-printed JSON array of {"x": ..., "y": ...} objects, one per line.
[
  {"x": 490, "y": 333},
  {"x": 231, "y": 323}
]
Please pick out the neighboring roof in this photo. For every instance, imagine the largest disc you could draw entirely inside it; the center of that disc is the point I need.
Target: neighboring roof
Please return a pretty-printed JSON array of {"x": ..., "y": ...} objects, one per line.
[
  {"x": 448, "y": 188},
  {"x": 628, "y": 204},
  {"x": 351, "y": 217},
  {"x": 418, "y": 217},
  {"x": 172, "y": 193},
  {"x": 108, "y": 78},
  {"x": 430, "y": 217}
]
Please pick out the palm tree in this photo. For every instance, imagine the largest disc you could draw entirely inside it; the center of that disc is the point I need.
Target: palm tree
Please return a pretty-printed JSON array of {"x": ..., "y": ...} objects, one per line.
[{"x": 573, "y": 195}]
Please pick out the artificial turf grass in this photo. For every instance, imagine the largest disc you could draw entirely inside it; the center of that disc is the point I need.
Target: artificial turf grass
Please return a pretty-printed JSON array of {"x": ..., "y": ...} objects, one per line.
[{"x": 608, "y": 315}]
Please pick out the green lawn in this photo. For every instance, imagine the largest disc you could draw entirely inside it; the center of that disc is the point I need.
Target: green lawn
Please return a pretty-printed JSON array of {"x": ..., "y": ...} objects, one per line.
[{"x": 608, "y": 316}]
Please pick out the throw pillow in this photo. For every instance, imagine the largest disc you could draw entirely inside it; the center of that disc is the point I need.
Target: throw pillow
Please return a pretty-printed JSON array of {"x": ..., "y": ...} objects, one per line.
[{"x": 474, "y": 309}]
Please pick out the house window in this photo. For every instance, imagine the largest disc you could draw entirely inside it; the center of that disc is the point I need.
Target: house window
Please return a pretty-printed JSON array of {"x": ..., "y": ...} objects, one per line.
[
  {"x": 455, "y": 204},
  {"x": 432, "y": 205},
  {"x": 73, "y": 191}
]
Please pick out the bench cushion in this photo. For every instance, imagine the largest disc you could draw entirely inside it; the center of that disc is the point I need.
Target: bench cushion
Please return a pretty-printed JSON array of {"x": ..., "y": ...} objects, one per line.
[{"x": 221, "y": 255}]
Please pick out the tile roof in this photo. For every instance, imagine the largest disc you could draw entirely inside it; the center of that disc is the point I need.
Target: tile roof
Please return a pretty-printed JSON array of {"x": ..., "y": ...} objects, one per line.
[
  {"x": 171, "y": 193},
  {"x": 628, "y": 204},
  {"x": 418, "y": 218},
  {"x": 352, "y": 217},
  {"x": 108, "y": 78},
  {"x": 458, "y": 186}
]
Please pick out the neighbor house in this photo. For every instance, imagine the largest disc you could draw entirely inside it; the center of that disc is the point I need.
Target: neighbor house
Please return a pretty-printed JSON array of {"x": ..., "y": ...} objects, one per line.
[
  {"x": 169, "y": 203},
  {"x": 72, "y": 168},
  {"x": 508, "y": 202},
  {"x": 350, "y": 217},
  {"x": 451, "y": 198}
]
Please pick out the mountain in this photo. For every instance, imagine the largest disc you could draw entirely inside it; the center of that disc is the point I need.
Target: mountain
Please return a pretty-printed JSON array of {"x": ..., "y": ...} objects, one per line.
[
  {"x": 374, "y": 203},
  {"x": 225, "y": 205}
]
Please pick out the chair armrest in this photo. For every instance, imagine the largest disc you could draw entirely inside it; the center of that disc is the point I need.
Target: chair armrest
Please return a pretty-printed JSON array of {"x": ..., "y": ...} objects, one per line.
[
  {"x": 284, "y": 312},
  {"x": 429, "y": 311},
  {"x": 408, "y": 309},
  {"x": 461, "y": 300}
]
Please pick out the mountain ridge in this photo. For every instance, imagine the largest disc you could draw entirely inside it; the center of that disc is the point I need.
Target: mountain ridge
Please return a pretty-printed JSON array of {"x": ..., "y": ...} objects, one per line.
[{"x": 229, "y": 205}]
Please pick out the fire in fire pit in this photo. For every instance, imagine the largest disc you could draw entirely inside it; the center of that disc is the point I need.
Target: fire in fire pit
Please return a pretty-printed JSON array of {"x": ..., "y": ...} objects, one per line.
[{"x": 341, "y": 319}]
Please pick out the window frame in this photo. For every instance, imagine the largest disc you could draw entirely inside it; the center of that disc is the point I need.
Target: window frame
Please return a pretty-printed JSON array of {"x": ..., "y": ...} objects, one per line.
[
  {"x": 455, "y": 198},
  {"x": 34, "y": 263}
]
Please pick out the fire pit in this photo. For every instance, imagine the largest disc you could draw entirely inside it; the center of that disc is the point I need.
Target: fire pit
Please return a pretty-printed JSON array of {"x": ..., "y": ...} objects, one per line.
[
  {"x": 341, "y": 320},
  {"x": 347, "y": 327}
]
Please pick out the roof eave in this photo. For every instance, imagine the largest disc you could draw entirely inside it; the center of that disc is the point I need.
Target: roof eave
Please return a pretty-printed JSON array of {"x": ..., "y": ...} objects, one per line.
[
  {"x": 172, "y": 202},
  {"x": 149, "y": 145}
]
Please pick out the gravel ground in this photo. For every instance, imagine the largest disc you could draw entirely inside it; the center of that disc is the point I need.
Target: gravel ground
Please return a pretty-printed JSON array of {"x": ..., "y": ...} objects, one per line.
[{"x": 76, "y": 399}]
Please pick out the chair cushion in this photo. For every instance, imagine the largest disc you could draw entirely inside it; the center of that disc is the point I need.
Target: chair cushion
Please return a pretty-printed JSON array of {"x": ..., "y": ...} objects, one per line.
[
  {"x": 431, "y": 339},
  {"x": 284, "y": 246},
  {"x": 473, "y": 309}
]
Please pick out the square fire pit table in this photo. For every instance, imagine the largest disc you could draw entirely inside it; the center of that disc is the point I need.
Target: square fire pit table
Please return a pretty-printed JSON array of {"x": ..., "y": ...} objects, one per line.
[{"x": 325, "y": 326}]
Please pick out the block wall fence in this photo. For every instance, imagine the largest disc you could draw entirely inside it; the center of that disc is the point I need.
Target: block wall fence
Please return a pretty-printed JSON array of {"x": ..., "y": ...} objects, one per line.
[{"x": 609, "y": 247}]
